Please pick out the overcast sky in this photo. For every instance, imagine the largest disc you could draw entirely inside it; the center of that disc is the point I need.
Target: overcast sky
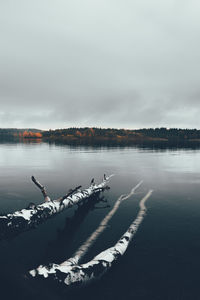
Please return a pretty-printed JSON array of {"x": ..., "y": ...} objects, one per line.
[{"x": 104, "y": 63}]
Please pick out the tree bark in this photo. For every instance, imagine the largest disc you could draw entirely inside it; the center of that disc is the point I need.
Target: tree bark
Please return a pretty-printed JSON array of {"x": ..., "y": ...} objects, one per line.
[
  {"x": 35, "y": 214},
  {"x": 80, "y": 253},
  {"x": 71, "y": 274}
]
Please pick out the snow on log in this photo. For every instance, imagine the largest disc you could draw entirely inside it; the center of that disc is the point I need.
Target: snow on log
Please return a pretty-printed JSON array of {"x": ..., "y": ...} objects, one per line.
[
  {"x": 71, "y": 274},
  {"x": 35, "y": 214}
]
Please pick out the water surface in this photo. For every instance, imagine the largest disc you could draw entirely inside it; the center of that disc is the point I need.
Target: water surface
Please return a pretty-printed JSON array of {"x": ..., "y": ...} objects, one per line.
[{"x": 162, "y": 262}]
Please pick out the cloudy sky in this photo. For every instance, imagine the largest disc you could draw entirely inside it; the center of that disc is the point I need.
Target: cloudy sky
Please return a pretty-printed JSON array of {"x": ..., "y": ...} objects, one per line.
[{"x": 108, "y": 63}]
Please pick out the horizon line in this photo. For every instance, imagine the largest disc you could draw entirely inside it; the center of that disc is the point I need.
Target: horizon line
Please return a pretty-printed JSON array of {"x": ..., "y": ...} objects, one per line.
[{"x": 99, "y": 127}]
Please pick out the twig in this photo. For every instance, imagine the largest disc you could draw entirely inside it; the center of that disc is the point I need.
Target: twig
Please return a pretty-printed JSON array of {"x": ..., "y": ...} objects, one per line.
[
  {"x": 70, "y": 192},
  {"x": 42, "y": 188}
]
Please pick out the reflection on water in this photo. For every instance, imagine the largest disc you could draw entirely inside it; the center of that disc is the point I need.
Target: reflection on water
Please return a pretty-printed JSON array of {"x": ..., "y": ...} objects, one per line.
[
  {"x": 59, "y": 248},
  {"x": 150, "y": 145},
  {"x": 161, "y": 263},
  {"x": 11, "y": 226}
]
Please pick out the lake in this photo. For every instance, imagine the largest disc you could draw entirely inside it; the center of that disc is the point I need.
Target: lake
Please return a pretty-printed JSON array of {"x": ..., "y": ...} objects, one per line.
[{"x": 162, "y": 262}]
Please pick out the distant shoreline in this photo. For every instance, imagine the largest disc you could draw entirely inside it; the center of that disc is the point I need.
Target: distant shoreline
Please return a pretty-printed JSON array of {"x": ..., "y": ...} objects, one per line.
[{"x": 96, "y": 136}]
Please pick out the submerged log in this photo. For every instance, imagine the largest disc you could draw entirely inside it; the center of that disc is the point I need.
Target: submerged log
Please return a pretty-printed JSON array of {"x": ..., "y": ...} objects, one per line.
[
  {"x": 65, "y": 236},
  {"x": 80, "y": 253},
  {"x": 70, "y": 273},
  {"x": 36, "y": 214}
]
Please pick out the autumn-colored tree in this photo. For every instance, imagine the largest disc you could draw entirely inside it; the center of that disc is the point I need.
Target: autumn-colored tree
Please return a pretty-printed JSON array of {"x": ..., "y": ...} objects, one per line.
[
  {"x": 92, "y": 131},
  {"x": 38, "y": 135},
  {"x": 78, "y": 133},
  {"x": 30, "y": 134},
  {"x": 25, "y": 134}
]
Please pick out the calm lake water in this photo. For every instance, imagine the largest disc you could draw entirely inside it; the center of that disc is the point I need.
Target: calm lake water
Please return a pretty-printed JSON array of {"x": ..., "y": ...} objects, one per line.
[{"x": 162, "y": 262}]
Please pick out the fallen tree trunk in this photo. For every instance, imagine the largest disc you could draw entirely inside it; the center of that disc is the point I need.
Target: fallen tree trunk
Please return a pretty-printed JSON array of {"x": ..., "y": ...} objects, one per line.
[
  {"x": 72, "y": 274},
  {"x": 60, "y": 245},
  {"x": 80, "y": 253},
  {"x": 36, "y": 214}
]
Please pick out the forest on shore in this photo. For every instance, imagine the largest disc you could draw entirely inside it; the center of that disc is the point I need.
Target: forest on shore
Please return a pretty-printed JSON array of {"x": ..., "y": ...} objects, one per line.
[{"x": 88, "y": 135}]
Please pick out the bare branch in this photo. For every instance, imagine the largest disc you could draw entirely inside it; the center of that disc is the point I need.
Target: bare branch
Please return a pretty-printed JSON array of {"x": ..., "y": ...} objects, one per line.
[
  {"x": 70, "y": 192},
  {"x": 42, "y": 188},
  {"x": 33, "y": 215},
  {"x": 92, "y": 182}
]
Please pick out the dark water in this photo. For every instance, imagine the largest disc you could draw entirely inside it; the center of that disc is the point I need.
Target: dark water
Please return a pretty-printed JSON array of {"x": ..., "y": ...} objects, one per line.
[{"x": 162, "y": 262}]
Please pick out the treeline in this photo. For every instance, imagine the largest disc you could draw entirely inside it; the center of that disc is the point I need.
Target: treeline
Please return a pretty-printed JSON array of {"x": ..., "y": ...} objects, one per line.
[
  {"x": 106, "y": 135},
  {"x": 171, "y": 134},
  {"x": 6, "y": 133},
  {"x": 30, "y": 134},
  {"x": 90, "y": 133},
  {"x": 123, "y": 135}
]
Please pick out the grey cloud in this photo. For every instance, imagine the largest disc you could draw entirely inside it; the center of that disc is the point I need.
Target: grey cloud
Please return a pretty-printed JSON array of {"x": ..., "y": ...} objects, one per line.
[{"x": 99, "y": 63}]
